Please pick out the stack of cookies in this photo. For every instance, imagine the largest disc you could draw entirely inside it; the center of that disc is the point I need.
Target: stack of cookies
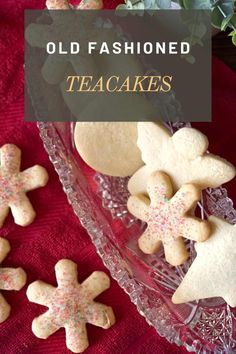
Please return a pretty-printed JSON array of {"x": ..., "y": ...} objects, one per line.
[{"x": 169, "y": 173}]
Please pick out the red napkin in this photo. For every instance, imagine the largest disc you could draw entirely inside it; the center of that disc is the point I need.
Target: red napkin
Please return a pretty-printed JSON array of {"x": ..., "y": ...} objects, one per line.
[{"x": 56, "y": 232}]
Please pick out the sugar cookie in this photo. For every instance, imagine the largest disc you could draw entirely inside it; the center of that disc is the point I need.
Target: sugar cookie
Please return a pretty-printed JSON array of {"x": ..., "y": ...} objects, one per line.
[
  {"x": 182, "y": 156},
  {"x": 109, "y": 148},
  {"x": 58, "y": 4},
  {"x": 71, "y": 305},
  {"x": 167, "y": 219},
  {"x": 15, "y": 184},
  {"x": 213, "y": 271},
  {"x": 83, "y": 5},
  {"x": 10, "y": 279}
]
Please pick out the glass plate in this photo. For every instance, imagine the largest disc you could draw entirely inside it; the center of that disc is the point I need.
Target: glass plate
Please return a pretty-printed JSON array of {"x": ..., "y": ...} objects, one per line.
[{"x": 99, "y": 201}]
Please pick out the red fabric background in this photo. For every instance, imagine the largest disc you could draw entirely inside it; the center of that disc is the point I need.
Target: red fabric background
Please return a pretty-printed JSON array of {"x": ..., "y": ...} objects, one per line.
[{"x": 56, "y": 232}]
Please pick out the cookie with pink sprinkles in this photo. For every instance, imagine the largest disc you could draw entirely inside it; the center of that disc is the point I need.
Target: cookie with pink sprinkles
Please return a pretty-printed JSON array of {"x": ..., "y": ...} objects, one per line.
[
  {"x": 71, "y": 305},
  {"x": 167, "y": 218},
  {"x": 14, "y": 185},
  {"x": 10, "y": 279},
  {"x": 83, "y": 5}
]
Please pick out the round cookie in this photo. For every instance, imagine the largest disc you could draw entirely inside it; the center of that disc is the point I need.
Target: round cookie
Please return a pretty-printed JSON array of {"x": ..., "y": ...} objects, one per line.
[{"x": 110, "y": 148}]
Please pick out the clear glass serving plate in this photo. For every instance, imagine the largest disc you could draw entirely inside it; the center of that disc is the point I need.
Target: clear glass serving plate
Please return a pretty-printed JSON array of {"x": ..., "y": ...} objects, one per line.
[{"x": 99, "y": 201}]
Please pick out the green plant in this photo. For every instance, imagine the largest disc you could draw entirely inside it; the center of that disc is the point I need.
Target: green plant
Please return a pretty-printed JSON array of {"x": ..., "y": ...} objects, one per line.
[{"x": 223, "y": 11}]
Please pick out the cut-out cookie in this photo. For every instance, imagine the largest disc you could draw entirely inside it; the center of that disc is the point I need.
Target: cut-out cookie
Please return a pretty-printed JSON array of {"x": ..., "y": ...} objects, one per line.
[
  {"x": 109, "y": 148},
  {"x": 10, "y": 279},
  {"x": 182, "y": 156},
  {"x": 15, "y": 184},
  {"x": 71, "y": 305},
  {"x": 167, "y": 219},
  {"x": 58, "y": 5},
  {"x": 213, "y": 272},
  {"x": 83, "y": 5}
]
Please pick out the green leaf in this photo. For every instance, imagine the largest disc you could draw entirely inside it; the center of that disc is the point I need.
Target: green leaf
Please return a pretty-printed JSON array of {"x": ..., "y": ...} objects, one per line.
[
  {"x": 197, "y": 4},
  {"x": 216, "y": 17},
  {"x": 189, "y": 58},
  {"x": 185, "y": 17},
  {"x": 231, "y": 33},
  {"x": 199, "y": 42},
  {"x": 181, "y": 3},
  {"x": 123, "y": 12},
  {"x": 225, "y": 22},
  {"x": 163, "y": 4},
  {"x": 227, "y": 6},
  {"x": 197, "y": 29},
  {"x": 234, "y": 38},
  {"x": 232, "y": 22},
  {"x": 221, "y": 13}
]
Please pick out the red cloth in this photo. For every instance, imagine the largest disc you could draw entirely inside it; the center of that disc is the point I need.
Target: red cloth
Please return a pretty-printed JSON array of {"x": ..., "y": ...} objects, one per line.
[{"x": 56, "y": 232}]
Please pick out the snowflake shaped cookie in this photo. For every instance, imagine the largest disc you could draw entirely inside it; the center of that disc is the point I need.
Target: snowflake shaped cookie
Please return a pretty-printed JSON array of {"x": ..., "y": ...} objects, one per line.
[
  {"x": 167, "y": 219},
  {"x": 183, "y": 156},
  {"x": 10, "y": 279},
  {"x": 71, "y": 305},
  {"x": 213, "y": 271},
  {"x": 83, "y": 5},
  {"x": 15, "y": 184}
]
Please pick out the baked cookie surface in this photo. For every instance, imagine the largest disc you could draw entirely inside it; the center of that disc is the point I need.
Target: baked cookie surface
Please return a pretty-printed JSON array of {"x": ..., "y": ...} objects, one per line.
[
  {"x": 213, "y": 271},
  {"x": 14, "y": 184},
  {"x": 71, "y": 305},
  {"x": 183, "y": 156},
  {"x": 167, "y": 217}
]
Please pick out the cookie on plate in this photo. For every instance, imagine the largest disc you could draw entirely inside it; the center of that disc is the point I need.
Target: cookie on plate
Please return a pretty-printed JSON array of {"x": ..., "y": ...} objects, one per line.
[
  {"x": 109, "y": 148},
  {"x": 167, "y": 218},
  {"x": 183, "y": 156},
  {"x": 213, "y": 271}
]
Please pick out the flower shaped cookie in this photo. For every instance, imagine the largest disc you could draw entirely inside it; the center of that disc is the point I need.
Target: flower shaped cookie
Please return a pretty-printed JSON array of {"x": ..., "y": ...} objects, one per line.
[
  {"x": 15, "y": 184},
  {"x": 71, "y": 305},
  {"x": 183, "y": 156},
  {"x": 10, "y": 279},
  {"x": 167, "y": 219},
  {"x": 213, "y": 271}
]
